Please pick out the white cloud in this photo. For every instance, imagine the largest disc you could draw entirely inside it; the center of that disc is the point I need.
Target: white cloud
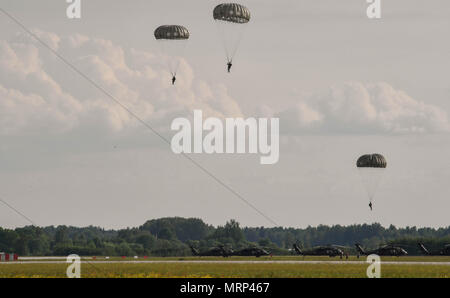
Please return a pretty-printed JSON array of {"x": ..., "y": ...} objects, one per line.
[
  {"x": 39, "y": 94},
  {"x": 355, "y": 107}
]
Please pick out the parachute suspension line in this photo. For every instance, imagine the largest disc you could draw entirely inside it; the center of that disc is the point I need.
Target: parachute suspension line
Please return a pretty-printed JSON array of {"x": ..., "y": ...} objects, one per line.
[
  {"x": 371, "y": 177},
  {"x": 241, "y": 34},
  {"x": 231, "y": 38},
  {"x": 173, "y": 53},
  {"x": 231, "y": 19},
  {"x": 172, "y": 40},
  {"x": 167, "y": 58},
  {"x": 223, "y": 39},
  {"x": 178, "y": 59}
]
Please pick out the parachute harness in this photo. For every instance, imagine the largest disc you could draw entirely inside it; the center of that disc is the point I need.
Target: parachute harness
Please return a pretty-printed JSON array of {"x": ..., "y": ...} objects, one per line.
[
  {"x": 231, "y": 20},
  {"x": 173, "y": 40}
]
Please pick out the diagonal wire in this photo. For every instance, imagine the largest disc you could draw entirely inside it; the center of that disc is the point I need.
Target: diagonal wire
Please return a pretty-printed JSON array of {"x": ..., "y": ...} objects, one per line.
[
  {"x": 105, "y": 92},
  {"x": 95, "y": 267},
  {"x": 32, "y": 222},
  {"x": 17, "y": 211}
]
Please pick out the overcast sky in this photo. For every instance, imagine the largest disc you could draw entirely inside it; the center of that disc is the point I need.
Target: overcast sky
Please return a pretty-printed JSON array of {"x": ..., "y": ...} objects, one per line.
[{"x": 341, "y": 84}]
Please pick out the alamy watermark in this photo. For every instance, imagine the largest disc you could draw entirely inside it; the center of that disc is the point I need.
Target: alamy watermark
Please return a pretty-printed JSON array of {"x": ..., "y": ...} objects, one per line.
[
  {"x": 73, "y": 11},
  {"x": 374, "y": 269},
  {"x": 229, "y": 137},
  {"x": 374, "y": 9},
  {"x": 74, "y": 269}
]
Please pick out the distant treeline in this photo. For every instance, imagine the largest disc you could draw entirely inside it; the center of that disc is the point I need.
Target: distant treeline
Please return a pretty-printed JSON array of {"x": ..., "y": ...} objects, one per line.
[{"x": 172, "y": 237}]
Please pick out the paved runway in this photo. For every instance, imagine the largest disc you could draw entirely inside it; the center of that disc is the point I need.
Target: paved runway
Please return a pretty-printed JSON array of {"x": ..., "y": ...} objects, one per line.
[{"x": 61, "y": 260}]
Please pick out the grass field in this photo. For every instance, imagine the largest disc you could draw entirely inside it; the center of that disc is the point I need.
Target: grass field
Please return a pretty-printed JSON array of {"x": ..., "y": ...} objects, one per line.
[
  {"x": 231, "y": 269},
  {"x": 264, "y": 258}
]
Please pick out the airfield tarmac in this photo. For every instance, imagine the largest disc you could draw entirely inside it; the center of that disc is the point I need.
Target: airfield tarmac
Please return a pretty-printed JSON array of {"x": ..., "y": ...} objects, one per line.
[
  {"x": 62, "y": 260},
  {"x": 233, "y": 262}
]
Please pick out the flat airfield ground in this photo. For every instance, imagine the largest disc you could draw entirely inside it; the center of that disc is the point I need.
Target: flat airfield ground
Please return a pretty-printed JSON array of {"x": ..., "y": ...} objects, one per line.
[{"x": 240, "y": 267}]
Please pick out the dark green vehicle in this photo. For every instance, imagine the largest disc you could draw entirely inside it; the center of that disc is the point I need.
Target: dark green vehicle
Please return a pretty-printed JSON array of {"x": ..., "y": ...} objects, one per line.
[
  {"x": 386, "y": 250},
  {"x": 442, "y": 252},
  {"x": 219, "y": 251},
  {"x": 329, "y": 250},
  {"x": 251, "y": 252}
]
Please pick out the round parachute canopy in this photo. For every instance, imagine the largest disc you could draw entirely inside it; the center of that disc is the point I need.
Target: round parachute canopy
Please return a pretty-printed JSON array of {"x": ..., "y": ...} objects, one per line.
[
  {"x": 171, "y": 32},
  {"x": 371, "y": 161},
  {"x": 371, "y": 168},
  {"x": 231, "y": 12}
]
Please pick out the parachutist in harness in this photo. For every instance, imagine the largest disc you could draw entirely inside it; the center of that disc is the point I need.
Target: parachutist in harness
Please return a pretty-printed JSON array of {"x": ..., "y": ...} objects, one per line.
[
  {"x": 231, "y": 20},
  {"x": 229, "y": 64},
  {"x": 371, "y": 168},
  {"x": 172, "y": 38}
]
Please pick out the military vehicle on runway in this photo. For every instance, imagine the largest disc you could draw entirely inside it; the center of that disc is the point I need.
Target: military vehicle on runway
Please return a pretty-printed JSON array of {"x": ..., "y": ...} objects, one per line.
[
  {"x": 251, "y": 252},
  {"x": 386, "y": 250},
  {"x": 442, "y": 252},
  {"x": 329, "y": 250},
  {"x": 219, "y": 251}
]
